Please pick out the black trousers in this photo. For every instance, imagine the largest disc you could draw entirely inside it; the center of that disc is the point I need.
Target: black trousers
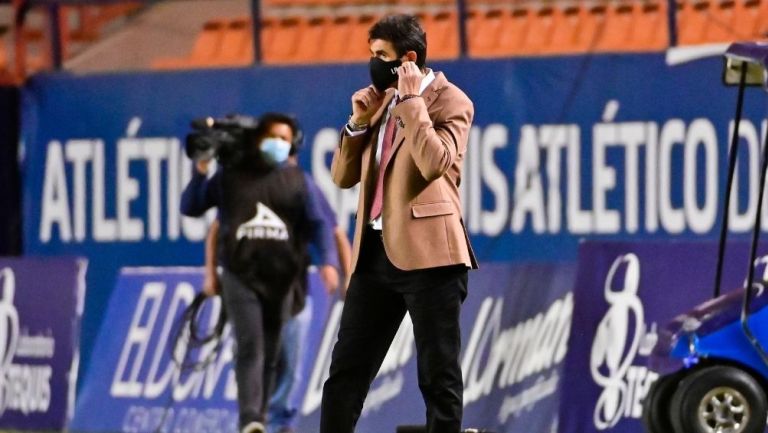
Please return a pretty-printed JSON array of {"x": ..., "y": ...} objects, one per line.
[
  {"x": 256, "y": 324},
  {"x": 378, "y": 297}
]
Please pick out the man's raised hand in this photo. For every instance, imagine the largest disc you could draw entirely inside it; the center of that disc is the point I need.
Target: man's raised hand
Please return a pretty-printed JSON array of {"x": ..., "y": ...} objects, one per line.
[{"x": 365, "y": 103}]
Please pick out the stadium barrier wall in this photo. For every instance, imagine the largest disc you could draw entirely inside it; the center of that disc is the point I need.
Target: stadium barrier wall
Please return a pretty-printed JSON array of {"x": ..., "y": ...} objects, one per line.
[
  {"x": 134, "y": 386},
  {"x": 41, "y": 302},
  {"x": 546, "y": 347},
  {"x": 625, "y": 293}
]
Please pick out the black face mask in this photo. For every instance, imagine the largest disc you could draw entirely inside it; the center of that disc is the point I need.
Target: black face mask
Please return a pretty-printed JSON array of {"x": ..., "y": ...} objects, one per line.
[{"x": 383, "y": 74}]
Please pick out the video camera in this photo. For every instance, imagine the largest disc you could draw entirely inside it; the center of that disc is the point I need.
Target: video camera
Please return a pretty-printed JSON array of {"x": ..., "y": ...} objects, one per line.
[{"x": 222, "y": 138}]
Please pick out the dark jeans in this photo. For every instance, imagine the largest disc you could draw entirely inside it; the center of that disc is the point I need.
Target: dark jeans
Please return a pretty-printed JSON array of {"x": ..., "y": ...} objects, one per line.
[
  {"x": 378, "y": 297},
  {"x": 256, "y": 325}
]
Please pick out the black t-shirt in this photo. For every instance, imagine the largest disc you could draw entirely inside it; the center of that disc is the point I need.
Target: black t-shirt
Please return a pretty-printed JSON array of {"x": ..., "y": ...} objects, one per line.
[{"x": 264, "y": 229}]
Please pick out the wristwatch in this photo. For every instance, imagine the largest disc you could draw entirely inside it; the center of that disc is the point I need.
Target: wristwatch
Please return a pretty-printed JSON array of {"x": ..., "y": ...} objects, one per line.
[{"x": 355, "y": 127}]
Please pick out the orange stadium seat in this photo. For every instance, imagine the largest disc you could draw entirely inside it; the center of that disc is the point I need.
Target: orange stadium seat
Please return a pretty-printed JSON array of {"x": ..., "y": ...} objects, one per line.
[
  {"x": 357, "y": 48},
  {"x": 419, "y": 2},
  {"x": 722, "y": 25},
  {"x": 284, "y": 40},
  {"x": 512, "y": 36},
  {"x": 286, "y": 4},
  {"x": 267, "y": 33},
  {"x": 748, "y": 15},
  {"x": 336, "y": 38},
  {"x": 590, "y": 29},
  {"x": 617, "y": 30},
  {"x": 692, "y": 20},
  {"x": 310, "y": 40},
  {"x": 762, "y": 27},
  {"x": 567, "y": 19},
  {"x": 493, "y": 4},
  {"x": 651, "y": 30},
  {"x": 208, "y": 42},
  {"x": 474, "y": 23},
  {"x": 236, "y": 44},
  {"x": 331, "y": 3},
  {"x": 749, "y": 18},
  {"x": 308, "y": 3},
  {"x": 538, "y": 38},
  {"x": 442, "y": 34},
  {"x": 277, "y": 3},
  {"x": 483, "y": 30}
]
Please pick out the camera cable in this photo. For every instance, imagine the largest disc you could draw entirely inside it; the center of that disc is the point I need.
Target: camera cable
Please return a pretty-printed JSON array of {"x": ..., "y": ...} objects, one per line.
[{"x": 187, "y": 338}]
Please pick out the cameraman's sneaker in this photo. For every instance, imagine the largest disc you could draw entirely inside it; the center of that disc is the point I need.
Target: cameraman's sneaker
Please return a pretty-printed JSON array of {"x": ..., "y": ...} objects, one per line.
[{"x": 254, "y": 427}]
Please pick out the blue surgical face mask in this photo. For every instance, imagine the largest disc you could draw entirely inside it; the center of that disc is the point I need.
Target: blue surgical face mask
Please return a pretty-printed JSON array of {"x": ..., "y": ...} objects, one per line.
[{"x": 275, "y": 150}]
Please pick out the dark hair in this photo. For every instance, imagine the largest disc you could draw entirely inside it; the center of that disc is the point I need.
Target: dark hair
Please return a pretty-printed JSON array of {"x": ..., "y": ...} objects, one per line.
[
  {"x": 405, "y": 34},
  {"x": 268, "y": 119}
]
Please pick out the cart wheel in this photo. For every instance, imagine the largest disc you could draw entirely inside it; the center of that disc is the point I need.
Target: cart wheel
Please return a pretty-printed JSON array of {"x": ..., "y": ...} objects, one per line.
[
  {"x": 656, "y": 416},
  {"x": 719, "y": 399}
]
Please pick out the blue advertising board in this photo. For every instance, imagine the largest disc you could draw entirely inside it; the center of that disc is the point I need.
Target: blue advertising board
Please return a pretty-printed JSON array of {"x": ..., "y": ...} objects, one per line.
[
  {"x": 624, "y": 294},
  {"x": 515, "y": 347},
  {"x": 136, "y": 384},
  {"x": 562, "y": 148},
  {"x": 41, "y": 302}
]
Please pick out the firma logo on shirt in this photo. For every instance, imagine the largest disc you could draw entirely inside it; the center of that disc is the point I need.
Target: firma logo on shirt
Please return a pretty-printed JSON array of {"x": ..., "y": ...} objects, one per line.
[{"x": 265, "y": 225}]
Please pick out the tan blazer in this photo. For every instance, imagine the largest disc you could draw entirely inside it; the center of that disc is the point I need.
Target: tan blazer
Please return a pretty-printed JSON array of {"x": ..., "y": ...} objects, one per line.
[{"x": 422, "y": 224}]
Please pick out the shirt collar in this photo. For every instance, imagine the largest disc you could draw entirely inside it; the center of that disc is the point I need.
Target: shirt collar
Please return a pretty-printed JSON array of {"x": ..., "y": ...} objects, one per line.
[{"x": 427, "y": 80}]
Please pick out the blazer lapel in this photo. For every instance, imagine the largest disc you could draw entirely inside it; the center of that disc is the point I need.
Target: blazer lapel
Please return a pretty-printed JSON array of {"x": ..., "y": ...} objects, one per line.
[
  {"x": 390, "y": 93},
  {"x": 399, "y": 137},
  {"x": 375, "y": 126},
  {"x": 432, "y": 91}
]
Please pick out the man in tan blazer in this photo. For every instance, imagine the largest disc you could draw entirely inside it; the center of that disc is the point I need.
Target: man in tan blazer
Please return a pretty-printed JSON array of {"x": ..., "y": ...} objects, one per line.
[{"x": 404, "y": 144}]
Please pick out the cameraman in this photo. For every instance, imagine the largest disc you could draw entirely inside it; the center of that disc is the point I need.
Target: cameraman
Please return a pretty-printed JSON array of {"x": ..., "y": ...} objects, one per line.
[
  {"x": 267, "y": 216},
  {"x": 284, "y": 400}
]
